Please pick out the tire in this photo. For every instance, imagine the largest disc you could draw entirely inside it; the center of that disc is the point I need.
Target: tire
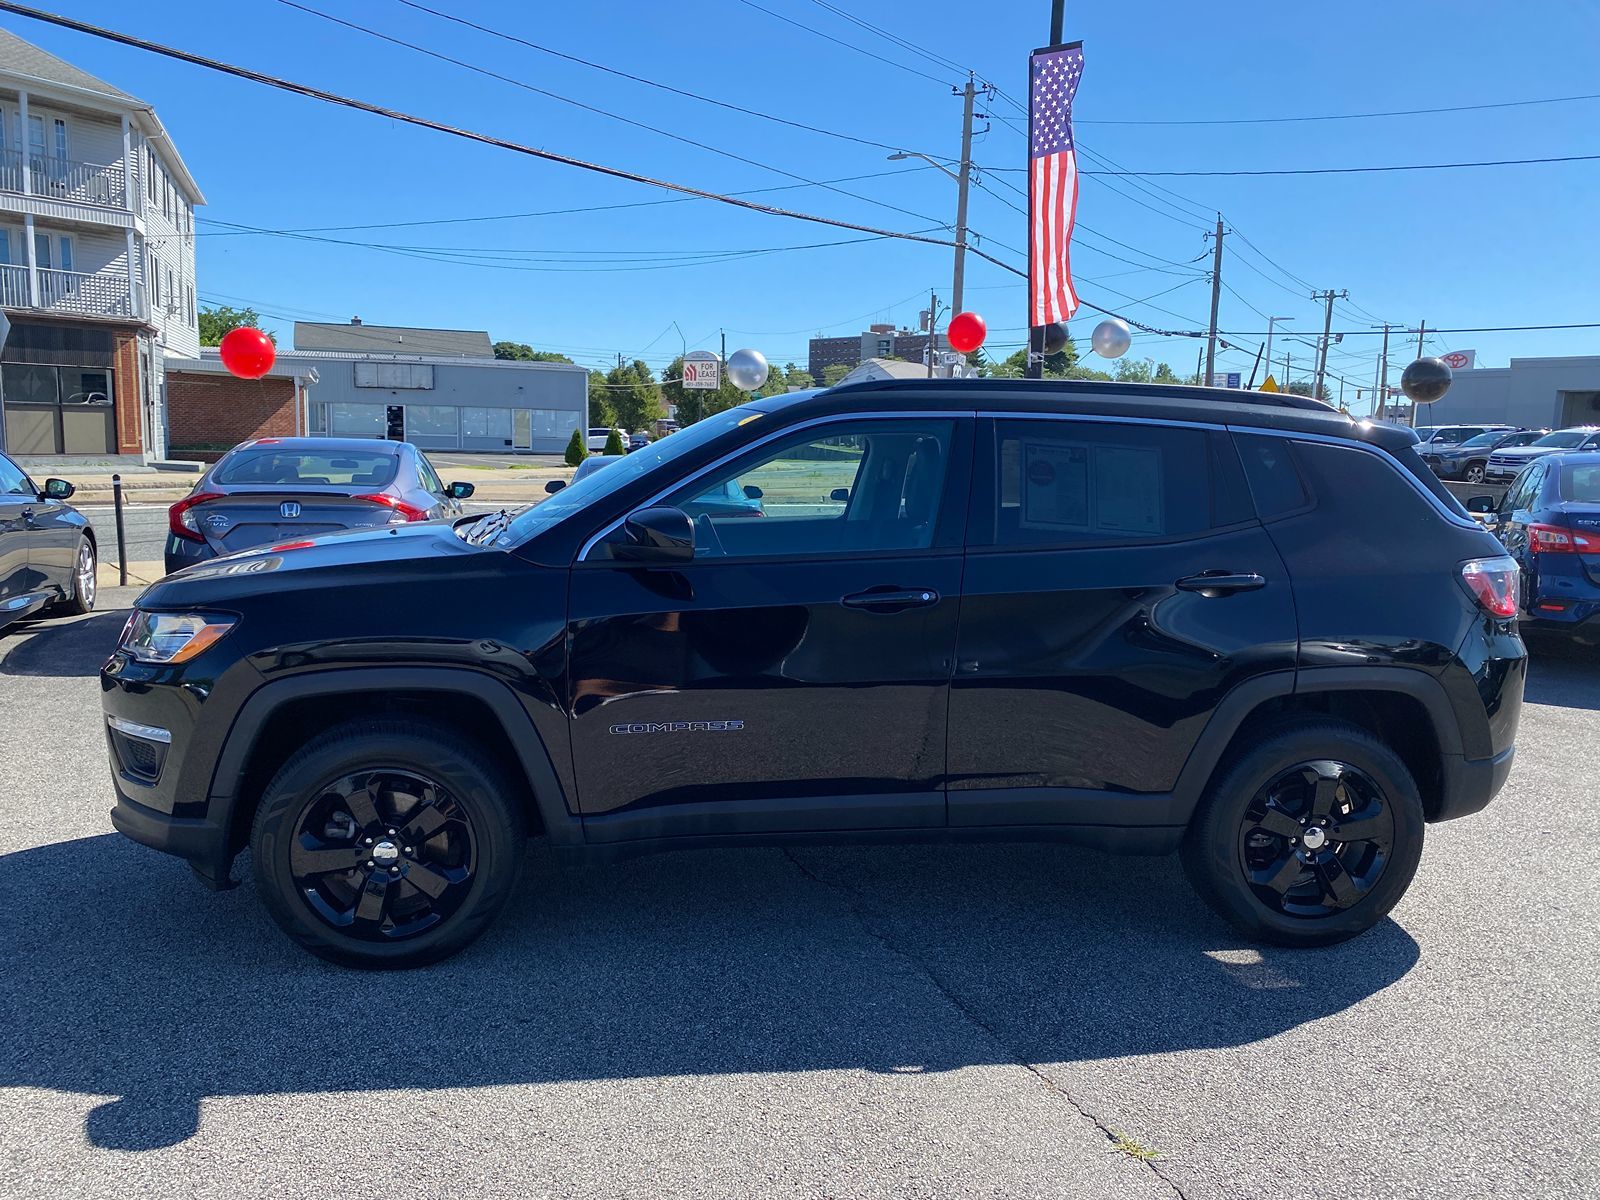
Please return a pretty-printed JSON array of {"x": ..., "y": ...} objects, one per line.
[
  {"x": 1473, "y": 473},
  {"x": 84, "y": 585},
  {"x": 409, "y": 793},
  {"x": 1247, "y": 837}
]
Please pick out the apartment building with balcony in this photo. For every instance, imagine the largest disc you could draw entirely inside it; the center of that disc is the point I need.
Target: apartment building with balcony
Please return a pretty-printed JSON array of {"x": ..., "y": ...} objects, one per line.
[{"x": 96, "y": 261}]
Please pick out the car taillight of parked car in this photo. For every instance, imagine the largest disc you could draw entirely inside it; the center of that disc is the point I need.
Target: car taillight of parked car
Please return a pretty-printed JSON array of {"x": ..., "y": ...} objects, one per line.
[
  {"x": 1552, "y": 539},
  {"x": 181, "y": 518},
  {"x": 402, "y": 510},
  {"x": 1493, "y": 584}
]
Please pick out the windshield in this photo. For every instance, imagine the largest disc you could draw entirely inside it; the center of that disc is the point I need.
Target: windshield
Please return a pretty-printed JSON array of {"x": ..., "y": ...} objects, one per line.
[
  {"x": 619, "y": 474},
  {"x": 1483, "y": 439},
  {"x": 1563, "y": 437},
  {"x": 311, "y": 468},
  {"x": 1580, "y": 482}
]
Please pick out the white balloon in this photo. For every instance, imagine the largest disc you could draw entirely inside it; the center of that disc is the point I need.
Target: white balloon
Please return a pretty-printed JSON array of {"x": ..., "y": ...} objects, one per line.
[
  {"x": 747, "y": 369},
  {"x": 1111, "y": 338}
]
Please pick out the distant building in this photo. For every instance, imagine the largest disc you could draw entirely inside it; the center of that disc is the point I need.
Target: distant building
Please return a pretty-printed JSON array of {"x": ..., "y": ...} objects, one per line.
[
  {"x": 1535, "y": 393},
  {"x": 444, "y": 399},
  {"x": 875, "y": 369},
  {"x": 879, "y": 341},
  {"x": 96, "y": 261}
]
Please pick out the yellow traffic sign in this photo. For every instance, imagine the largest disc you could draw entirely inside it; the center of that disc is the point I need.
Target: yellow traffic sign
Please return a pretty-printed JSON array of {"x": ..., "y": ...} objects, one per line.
[{"x": 1269, "y": 384}]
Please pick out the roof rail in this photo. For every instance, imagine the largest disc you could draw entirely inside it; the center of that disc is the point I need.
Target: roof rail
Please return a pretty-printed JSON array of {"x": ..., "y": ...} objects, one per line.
[{"x": 1130, "y": 391}]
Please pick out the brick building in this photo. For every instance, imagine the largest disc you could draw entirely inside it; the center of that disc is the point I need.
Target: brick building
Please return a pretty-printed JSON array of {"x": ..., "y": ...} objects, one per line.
[
  {"x": 210, "y": 410},
  {"x": 878, "y": 341}
]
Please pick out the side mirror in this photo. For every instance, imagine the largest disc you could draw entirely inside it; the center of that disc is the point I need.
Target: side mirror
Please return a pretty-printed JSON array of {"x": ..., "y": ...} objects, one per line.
[
  {"x": 752, "y": 492},
  {"x": 57, "y": 489},
  {"x": 841, "y": 495},
  {"x": 554, "y": 486},
  {"x": 656, "y": 535},
  {"x": 460, "y": 491},
  {"x": 1481, "y": 504}
]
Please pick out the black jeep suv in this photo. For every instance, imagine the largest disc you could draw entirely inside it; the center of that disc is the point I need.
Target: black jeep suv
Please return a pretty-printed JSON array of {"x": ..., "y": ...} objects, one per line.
[{"x": 1146, "y": 619}]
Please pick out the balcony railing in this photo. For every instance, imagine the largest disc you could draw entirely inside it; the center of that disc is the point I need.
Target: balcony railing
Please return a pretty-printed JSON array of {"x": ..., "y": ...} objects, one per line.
[
  {"x": 69, "y": 292},
  {"x": 65, "y": 179}
]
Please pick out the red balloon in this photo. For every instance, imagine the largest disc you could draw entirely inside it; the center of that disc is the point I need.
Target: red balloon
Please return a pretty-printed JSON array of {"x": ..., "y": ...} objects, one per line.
[
  {"x": 966, "y": 333},
  {"x": 247, "y": 352}
]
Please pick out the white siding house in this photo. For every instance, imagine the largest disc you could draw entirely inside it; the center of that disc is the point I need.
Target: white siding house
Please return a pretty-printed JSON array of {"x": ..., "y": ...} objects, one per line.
[{"x": 96, "y": 261}]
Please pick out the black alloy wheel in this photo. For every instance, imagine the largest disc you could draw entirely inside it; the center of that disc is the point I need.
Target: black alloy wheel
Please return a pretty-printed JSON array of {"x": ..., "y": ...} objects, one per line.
[
  {"x": 383, "y": 855},
  {"x": 1316, "y": 838},
  {"x": 390, "y": 842},
  {"x": 1309, "y": 833}
]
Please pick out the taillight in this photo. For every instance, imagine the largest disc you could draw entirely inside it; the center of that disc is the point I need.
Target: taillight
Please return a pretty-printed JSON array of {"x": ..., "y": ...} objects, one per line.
[
  {"x": 406, "y": 512},
  {"x": 1552, "y": 539},
  {"x": 183, "y": 522},
  {"x": 1493, "y": 584}
]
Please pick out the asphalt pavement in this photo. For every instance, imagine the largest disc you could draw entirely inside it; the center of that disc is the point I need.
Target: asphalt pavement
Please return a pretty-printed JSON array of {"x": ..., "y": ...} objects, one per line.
[{"x": 875, "y": 1021}]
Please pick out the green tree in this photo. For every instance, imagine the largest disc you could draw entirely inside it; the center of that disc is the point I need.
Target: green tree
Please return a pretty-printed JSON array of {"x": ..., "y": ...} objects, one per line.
[
  {"x": 522, "y": 352},
  {"x": 614, "y": 443},
  {"x": 834, "y": 372},
  {"x": 216, "y": 322},
  {"x": 600, "y": 410},
  {"x": 797, "y": 377},
  {"x": 577, "y": 449},
  {"x": 635, "y": 397},
  {"x": 1164, "y": 374}
]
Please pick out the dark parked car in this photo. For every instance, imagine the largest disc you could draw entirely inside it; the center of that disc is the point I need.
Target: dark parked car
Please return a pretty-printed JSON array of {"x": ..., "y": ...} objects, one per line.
[
  {"x": 1507, "y": 462},
  {"x": 1469, "y": 459},
  {"x": 1549, "y": 520},
  {"x": 289, "y": 489},
  {"x": 47, "y": 549},
  {"x": 1140, "y": 618}
]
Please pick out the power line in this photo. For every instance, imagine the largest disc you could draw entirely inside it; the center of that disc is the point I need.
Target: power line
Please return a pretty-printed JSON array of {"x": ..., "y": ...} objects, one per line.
[
  {"x": 1445, "y": 166},
  {"x": 840, "y": 42},
  {"x": 647, "y": 82},
  {"x": 920, "y": 51},
  {"x": 1364, "y": 116},
  {"x": 539, "y": 91},
  {"x": 314, "y": 93}
]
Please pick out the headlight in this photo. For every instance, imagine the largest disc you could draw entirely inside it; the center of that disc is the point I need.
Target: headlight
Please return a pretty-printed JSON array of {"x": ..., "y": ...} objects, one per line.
[{"x": 155, "y": 637}]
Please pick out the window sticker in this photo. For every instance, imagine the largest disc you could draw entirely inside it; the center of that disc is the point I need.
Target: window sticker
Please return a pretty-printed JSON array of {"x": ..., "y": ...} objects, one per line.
[
  {"x": 1055, "y": 486},
  {"x": 1127, "y": 487},
  {"x": 1091, "y": 488}
]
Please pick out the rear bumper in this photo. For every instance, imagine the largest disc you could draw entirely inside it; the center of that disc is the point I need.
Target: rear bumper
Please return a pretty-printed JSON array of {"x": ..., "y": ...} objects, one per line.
[{"x": 1469, "y": 784}]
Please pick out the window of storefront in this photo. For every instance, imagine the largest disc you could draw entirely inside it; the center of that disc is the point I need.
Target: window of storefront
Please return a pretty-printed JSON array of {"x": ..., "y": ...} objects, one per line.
[
  {"x": 436, "y": 426},
  {"x": 58, "y": 410},
  {"x": 356, "y": 420}
]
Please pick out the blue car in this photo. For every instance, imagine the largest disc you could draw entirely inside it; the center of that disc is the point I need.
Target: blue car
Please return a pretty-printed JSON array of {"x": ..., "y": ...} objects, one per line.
[{"x": 1549, "y": 521}]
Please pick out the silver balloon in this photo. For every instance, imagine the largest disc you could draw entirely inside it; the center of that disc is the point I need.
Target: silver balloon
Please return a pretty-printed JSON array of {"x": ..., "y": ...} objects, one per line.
[
  {"x": 1111, "y": 338},
  {"x": 747, "y": 369},
  {"x": 1425, "y": 380}
]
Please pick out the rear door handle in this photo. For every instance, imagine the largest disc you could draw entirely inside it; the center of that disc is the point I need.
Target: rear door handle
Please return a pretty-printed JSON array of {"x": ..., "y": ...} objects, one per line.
[
  {"x": 891, "y": 600},
  {"x": 1221, "y": 583}
]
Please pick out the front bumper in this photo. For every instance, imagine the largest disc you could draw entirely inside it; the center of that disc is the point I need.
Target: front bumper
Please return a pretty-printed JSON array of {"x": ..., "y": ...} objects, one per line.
[{"x": 198, "y": 840}]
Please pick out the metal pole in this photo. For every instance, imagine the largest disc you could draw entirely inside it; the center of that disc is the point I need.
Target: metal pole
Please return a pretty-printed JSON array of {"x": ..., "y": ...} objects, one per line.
[
  {"x": 1422, "y": 329},
  {"x": 122, "y": 536},
  {"x": 1216, "y": 299},
  {"x": 957, "y": 285},
  {"x": 1322, "y": 350},
  {"x": 933, "y": 326},
  {"x": 1057, "y": 14},
  {"x": 1271, "y": 321},
  {"x": 1383, "y": 373}
]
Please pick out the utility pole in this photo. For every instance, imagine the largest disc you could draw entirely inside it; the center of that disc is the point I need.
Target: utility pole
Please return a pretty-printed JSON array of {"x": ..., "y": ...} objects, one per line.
[
  {"x": 958, "y": 284},
  {"x": 1383, "y": 372},
  {"x": 1216, "y": 299},
  {"x": 933, "y": 330},
  {"x": 1271, "y": 321},
  {"x": 1327, "y": 329},
  {"x": 1288, "y": 357},
  {"x": 1422, "y": 328}
]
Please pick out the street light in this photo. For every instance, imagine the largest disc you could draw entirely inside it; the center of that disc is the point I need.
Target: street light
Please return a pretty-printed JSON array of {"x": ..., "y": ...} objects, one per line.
[
  {"x": 1271, "y": 321},
  {"x": 957, "y": 285}
]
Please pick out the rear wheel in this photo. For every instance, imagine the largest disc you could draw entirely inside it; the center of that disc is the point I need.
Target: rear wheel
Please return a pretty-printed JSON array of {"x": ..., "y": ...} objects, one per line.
[
  {"x": 1309, "y": 837},
  {"x": 387, "y": 844},
  {"x": 84, "y": 583},
  {"x": 1473, "y": 473}
]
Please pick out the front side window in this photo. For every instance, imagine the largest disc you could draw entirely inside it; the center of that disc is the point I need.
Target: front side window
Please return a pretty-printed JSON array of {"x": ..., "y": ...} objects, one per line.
[
  {"x": 1521, "y": 492},
  {"x": 858, "y": 487},
  {"x": 12, "y": 481},
  {"x": 1088, "y": 483}
]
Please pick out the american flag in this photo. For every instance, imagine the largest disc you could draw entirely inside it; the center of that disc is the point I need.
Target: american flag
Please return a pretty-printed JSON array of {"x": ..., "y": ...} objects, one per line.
[{"x": 1052, "y": 183}]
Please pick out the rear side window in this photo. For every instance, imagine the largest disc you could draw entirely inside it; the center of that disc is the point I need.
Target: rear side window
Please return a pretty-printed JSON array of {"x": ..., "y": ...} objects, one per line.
[
  {"x": 1580, "y": 483},
  {"x": 1275, "y": 480},
  {"x": 311, "y": 468},
  {"x": 1080, "y": 482}
]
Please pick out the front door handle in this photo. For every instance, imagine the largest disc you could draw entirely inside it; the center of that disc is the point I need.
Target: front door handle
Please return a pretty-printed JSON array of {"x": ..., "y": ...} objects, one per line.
[
  {"x": 891, "y": 600},
  {"x": 1221, "y": 583}
]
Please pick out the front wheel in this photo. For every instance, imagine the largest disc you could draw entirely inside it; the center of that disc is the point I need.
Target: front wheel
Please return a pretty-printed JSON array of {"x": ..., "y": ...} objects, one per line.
[
  {"x": 1309, "y": 837},
  {"x": 389, "y": 843}
]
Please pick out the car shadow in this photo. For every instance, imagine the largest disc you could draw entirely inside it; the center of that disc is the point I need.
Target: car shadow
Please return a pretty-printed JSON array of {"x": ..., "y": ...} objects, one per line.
[
  {"x": 123, "y": 981},
  {"x": 1562, "y": 672},
  {"x": 62, "y": 648}
]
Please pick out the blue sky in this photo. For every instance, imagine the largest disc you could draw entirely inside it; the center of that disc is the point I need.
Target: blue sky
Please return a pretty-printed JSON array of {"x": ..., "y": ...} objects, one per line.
[{"x": 1506, "y": 246}]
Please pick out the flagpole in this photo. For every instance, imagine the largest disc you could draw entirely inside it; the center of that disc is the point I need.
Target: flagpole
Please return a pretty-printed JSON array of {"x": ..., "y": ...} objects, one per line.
[{"x": 1035, "y": 365}]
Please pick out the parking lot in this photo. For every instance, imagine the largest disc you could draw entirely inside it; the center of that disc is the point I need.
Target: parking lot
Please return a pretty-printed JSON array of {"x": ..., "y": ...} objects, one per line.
[{"x": 976, "y": 1021}]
